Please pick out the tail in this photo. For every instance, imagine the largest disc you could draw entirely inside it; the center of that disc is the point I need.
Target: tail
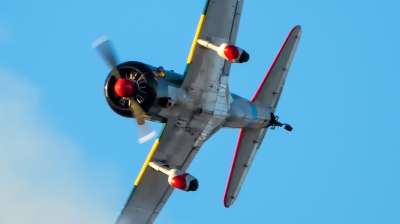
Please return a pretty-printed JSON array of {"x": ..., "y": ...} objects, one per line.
[
  {"x": 270, "y": 90},
  {"x": 268, "y": 94}
]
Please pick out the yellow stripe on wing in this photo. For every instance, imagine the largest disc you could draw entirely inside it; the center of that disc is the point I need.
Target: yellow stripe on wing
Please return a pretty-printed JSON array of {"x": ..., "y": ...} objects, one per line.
[
  {"x": 152, "y": 151},
  {"x": 196, "y": 37}
]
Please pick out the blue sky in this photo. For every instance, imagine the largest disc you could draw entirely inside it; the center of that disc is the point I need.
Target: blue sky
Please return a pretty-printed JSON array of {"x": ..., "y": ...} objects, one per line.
[{"x": 65, "y": 157}]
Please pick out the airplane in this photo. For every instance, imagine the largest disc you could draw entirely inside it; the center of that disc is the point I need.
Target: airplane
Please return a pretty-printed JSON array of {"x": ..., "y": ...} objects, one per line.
[{"x": 192, "y": 107}]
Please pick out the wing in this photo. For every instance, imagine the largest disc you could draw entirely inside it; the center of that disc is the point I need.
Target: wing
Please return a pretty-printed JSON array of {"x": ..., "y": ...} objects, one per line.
[
  {"x": 151, "y": 190},
  {"x": 219, "y": 23}
]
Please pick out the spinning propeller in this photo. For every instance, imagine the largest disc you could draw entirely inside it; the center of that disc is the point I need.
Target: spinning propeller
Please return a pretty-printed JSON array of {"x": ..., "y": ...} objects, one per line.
[{"x": 125, "y": 88}]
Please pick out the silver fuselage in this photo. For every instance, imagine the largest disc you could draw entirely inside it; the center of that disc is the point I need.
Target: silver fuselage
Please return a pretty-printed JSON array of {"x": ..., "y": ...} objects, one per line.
[{"x": 240, "y": 113}]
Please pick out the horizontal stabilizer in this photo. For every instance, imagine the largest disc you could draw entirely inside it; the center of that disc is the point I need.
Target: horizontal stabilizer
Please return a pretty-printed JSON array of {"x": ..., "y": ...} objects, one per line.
[
  {"x": 267, "y": 95},
  {"x": 270, "y": 90},
  {"x": 249, "y": 141}
]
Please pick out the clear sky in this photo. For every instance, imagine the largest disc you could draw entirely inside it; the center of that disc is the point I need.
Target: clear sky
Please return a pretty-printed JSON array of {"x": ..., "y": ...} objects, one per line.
[{"x": 65, "y": 157}]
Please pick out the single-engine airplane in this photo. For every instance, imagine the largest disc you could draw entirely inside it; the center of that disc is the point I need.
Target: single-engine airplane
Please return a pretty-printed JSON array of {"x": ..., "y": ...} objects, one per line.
[{"x": 192, "y": 107}]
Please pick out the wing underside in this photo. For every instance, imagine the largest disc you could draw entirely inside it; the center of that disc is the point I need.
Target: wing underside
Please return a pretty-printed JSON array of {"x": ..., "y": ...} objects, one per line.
[
  {"x": 219, "y": 23},
  {"x": 151, "y": 189}
]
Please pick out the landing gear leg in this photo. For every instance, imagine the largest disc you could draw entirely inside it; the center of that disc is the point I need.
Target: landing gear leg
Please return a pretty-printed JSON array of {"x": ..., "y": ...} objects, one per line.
[{"x": 275, "y": 123}]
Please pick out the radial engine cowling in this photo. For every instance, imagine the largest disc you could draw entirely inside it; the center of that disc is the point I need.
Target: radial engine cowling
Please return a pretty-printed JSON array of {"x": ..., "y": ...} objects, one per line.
[{"x": 148, "y": 86}]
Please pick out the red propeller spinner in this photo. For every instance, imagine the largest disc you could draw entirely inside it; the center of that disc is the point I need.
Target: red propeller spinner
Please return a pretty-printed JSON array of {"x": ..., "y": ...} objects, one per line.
[{"x": 124, "y": 88}]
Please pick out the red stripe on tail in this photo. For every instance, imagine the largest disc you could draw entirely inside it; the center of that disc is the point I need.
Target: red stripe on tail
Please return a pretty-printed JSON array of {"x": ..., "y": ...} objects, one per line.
[{"x": 272, "y": 65}]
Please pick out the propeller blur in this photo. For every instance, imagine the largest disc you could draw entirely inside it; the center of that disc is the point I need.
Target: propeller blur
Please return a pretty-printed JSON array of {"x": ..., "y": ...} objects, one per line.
[{"x": 124, "y": 88}]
